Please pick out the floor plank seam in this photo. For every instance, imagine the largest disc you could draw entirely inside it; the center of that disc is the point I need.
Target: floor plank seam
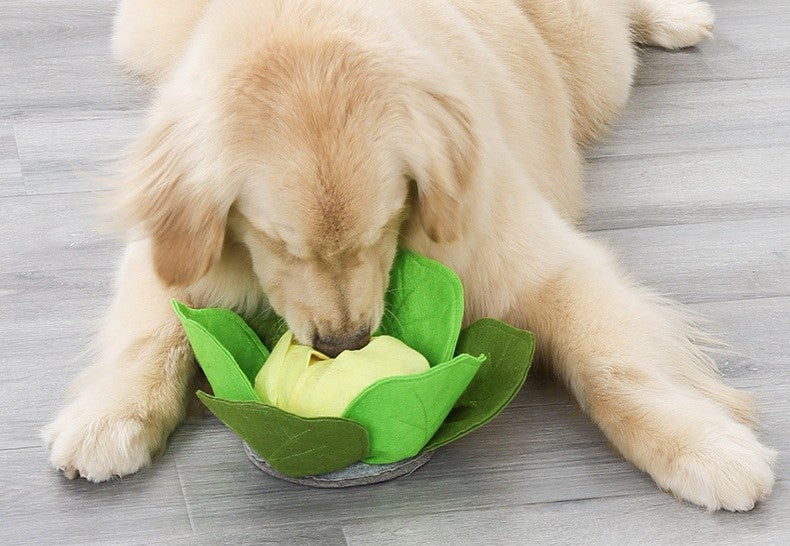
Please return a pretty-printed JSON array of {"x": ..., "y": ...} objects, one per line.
[
  {"x": 689, "y": 302},
  {"x": 767, "y": 213},
  {"x": 481, "y": 508},
  {"x": 691, "y": 152},
  {"x": 20, "y": 448},
  {"x": 184, "y": 495},
  {"x": 44, "y": 114},
  {"x": 738, "y": 300},
  {"x": 15, "y": 138},
  {"x": 775, "y": 216},
  {"x": 783, "y": 144},
  {"x": 27, "y": 272},
  {"x": 97, "y": 191},
  {"x": 345, "y": 536},
  {"x": 34, "y": 116},
  {"x": 643, "y": 64}
]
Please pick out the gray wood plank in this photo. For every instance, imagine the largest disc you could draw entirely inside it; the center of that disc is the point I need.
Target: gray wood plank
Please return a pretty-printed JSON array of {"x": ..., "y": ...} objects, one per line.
[
  {"x": 44, "y": 29},
  {"x": 36, "y": 87},
  {"x": 66, "y": 155},
  {"x": 49, "y": 318},
  {"x": 711, "y": 115},
  {"x": 675, "y": 189},
  {"x": 54, "y": 231},
  {"x": 56, "y": 57},
  {"x": 638, "y": 519},
  {"x": 10, "y": 170},
  {"x": 39, "y": 506},
  {"x": 710, "y": 261},
  {"x": 756, "y": 332},
  {"x": 262, "y": 534}
]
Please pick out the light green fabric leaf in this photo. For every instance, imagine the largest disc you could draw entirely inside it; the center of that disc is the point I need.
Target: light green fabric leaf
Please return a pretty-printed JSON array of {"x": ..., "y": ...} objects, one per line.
[
  {"x": 508, "y": 352},
  {"x": 229, "y": 353},
  {"x": 424, "y": 306},
  {"x": 402, "y": 413},
  {"x": 295, "y": 446}
]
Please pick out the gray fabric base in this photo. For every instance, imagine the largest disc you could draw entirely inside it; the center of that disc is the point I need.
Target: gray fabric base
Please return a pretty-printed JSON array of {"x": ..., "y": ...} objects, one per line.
[{"x": 356, "y": 474}]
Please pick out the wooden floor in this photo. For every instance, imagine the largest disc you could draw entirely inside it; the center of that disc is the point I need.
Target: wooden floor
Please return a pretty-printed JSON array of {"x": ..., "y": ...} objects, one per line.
[{"x": 693, "y": 189}]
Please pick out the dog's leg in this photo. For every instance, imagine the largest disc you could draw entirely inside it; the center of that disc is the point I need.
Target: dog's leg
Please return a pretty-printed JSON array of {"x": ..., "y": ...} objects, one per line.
[
  {"x": 592, "y": 45},
  {"x": 121, "y": 409},
  {"x": 630, "y": 360},
  {"x": 149, "y": 36},
  {"x": 672, "y": 24}
]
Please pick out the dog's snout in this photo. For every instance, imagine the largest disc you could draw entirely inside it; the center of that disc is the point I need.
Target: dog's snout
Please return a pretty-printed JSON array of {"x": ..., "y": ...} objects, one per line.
[{"x": 334, "y": 344}]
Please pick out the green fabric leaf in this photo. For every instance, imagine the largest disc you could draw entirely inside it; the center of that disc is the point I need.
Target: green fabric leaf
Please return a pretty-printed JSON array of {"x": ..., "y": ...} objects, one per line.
[
  {"x": 229, "y": 353},
  {"x": 269, "y": 326},
  {"x": 508, "y": 352},
  {"x": 424, "y": 306},
  {"x": 293, "y": 445},
  {"x": 402, "y": 413}
]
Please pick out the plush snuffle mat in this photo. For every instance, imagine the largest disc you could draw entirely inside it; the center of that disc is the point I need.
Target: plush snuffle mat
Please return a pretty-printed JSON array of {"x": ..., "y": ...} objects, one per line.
[{"x": 420, "y": 384}]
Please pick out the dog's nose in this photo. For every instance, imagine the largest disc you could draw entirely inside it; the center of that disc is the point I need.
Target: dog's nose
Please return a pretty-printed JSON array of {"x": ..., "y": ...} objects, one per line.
[{"x": 334, "y": 344}]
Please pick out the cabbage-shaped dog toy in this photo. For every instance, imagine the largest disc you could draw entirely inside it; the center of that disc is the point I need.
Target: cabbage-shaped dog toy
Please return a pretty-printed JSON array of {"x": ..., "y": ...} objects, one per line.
[
  {"x": 301, "y": 380},
  {"x": 472, "y": 376}
]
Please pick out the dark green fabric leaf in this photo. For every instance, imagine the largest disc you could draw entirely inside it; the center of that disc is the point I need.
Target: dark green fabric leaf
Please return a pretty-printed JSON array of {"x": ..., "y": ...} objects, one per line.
[
  {"x": 229, "y": 353},
  {"x": 293, "y": 445},
  {"x": 508, "y": 352},
  {"x": 269, "y": 326},
  {"x": 402, "y": 413},
  {"x": 424, "y": 306}
]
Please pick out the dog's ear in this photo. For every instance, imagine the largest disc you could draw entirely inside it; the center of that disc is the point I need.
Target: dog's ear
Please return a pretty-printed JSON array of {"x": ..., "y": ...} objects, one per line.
[
  {"x": 442, "y": 158},
  {"x": 171, "y": 198}
]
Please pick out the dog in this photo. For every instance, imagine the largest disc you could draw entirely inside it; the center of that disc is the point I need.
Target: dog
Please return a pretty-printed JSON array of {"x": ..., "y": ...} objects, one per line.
[{"x": 292, "y": 145}]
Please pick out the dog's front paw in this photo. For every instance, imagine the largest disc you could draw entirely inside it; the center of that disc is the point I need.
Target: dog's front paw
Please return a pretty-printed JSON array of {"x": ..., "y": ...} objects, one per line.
[
  {"x": 727, "y": 469},
  {"x": 99, "y": 446},
  {"x": 676, "y": 24}
]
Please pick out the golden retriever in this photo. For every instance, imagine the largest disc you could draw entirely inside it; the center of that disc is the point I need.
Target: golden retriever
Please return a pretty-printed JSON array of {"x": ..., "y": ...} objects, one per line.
[{"x": 293, "y": 144}]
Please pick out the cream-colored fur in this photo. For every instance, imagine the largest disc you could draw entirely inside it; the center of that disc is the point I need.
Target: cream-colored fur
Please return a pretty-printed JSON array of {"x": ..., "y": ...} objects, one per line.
[{"x": 291, "y": 142}]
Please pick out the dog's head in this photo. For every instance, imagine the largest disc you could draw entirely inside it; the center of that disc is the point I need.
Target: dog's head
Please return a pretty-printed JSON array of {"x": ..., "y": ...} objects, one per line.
[{"x": 312, "y": 154}]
